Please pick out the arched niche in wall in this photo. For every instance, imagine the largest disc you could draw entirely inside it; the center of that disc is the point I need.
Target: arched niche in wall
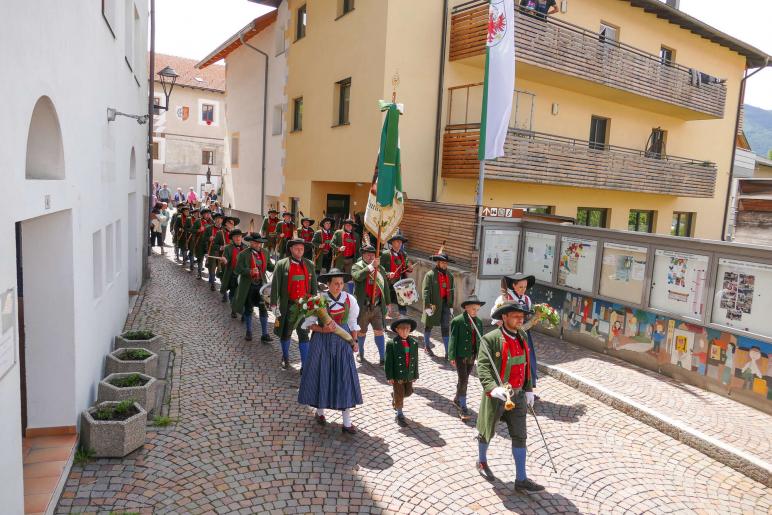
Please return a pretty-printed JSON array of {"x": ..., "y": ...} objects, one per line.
[
  {"x": 133, "y": 165},
  {"x": 45, "y": 152}
]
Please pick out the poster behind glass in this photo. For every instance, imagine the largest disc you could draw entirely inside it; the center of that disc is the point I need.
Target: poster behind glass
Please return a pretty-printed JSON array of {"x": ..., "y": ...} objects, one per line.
[
  {"x": 576, "y": 268},
  {"x": 678, "y": 283},
  {"x": 743, "y": 298},
  {"x": 500, "y": 252},
  {"x": 539, "y": 256},
  {"x": 623, "y": 272}
]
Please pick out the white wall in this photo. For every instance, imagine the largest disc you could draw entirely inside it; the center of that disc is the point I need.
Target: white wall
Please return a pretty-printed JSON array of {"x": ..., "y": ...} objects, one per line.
[{"x": 54, "y": 49}]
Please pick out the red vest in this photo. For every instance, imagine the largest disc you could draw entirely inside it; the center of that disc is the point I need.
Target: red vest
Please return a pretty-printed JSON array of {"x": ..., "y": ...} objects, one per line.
[
  {"x": 234, "y": 256},
  {"x": 227, "y": 237},
  {"x": 286, "y": 230},
  {"x": 326, "y": 238},
  {"x": 406, "y": 348},
  {"x": 514, "y": 348},
  {"x": 444, "y": 281},
  {"x": 340, "y": 313},
  {"x": 299, "y": 278},
  {"x": 350, "y": 242},
  {"x": 257, "y": 262},
  {"x": 272, "y": 224},
  {"x": 307, "y": 233},
  {"x": 396, "y": 261},
  {"x": 370, "y": 285},
  {"x": 202, "y": 226}
]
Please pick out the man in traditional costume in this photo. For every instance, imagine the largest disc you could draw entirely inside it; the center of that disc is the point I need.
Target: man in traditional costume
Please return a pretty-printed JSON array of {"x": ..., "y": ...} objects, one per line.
[
  {"x": 439, "y": 293},
  {"x": 187, "y": 235},
  {"x": 372, "y": 294},
  {"x": 228, "y": 262},
  {"x": 251, "y": 268},
  {"x": 306, "y": 233},
  {"x": 401, "y": 365},
  {"x": 206, "y": 246},
  {"x": 268, "y": 229},
  {"x": 394, "y": 260},
  {"x": 178, "y": 222},
  {"x": 294, "y": 278},
  {"x": 330, "y": 379},
  {"x": 285, "y": 231},
  {"x": 322, "y": 243},
  {"x": 514, "y": 288},
  {"x": 462, "y": 349},
  {"x": 222, "y": 238},
  {"x": 505, "y": 374},
  {"x": 345, "y": 243}
]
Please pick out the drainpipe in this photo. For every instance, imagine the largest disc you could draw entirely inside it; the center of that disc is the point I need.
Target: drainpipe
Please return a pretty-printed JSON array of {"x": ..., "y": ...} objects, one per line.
[
  {"x": 740, "y": 101},
  {"x": 440, "y": 91},
  {"x": 265, "y": 119}
]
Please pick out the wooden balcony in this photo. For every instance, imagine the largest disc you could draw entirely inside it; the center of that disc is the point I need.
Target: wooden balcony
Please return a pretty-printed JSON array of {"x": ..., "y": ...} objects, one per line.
[
  {"x": 551, "y": 46},
  {"x": 535, "y": 157}
]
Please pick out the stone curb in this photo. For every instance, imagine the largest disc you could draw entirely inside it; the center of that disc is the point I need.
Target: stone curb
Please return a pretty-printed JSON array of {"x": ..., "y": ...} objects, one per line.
[{"x": 741, "y": 461}]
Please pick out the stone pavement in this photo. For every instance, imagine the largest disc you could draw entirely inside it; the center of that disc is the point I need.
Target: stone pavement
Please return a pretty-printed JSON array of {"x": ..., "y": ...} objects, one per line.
[
  {"x": 707, "y": 419},
  {"x": 244, "y": 445}
]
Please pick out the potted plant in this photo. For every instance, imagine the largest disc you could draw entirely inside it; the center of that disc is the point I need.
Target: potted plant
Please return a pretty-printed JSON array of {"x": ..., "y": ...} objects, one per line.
[
  {"x": 120, "y": 387},
  {"x": 140, "y": 340},
  {"x": 113, "y": 429},
  {"x": 132, "y": 360}
]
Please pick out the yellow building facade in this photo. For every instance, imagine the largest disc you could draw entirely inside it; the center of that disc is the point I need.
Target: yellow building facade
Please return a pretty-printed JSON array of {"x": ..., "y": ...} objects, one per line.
[{"x": 649, "y": 70}]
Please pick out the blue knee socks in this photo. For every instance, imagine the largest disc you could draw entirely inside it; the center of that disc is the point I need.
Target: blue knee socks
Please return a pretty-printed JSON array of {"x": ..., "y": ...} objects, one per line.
[
  {"x": 380, "y": 342},
  {"x": 264, "y": 324},
  {"x": 248, "y": 320},
  {"x": 445, "y": 340},
  {"x": 482, "y": 450},
  {"x": 427, "y": 338},
  {"x": 303, "y": 348},
  {"x": 361, "y": 343},
  {"x": 519, "y": 454},
  {"x": 462, "y": 401},
  {"x": 285, "y": 344}
]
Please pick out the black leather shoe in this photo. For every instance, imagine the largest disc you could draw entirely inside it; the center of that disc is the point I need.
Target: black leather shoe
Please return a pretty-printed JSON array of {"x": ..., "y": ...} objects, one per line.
[
  {"x": 225, "y": 299},
  {"x": 401, "y": 420},
  {"x": 429, "y": 351},
  {"x": 233, "y": 315},
  {"x": 484, "y": 471},
  {"x": 381, "y": 362},
  {"x": 265, "y": 338},
  {"x": 465, "y": 414},
  {"x": 528, "y": 486},
  {"x": 351, "y": 430},
  {"x": 248, "y": 336},
  {"x": 211, "y": 286}
]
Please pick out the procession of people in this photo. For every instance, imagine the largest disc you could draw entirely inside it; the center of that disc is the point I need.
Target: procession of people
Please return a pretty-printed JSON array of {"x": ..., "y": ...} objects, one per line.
[{"x": 330, "y": 287}]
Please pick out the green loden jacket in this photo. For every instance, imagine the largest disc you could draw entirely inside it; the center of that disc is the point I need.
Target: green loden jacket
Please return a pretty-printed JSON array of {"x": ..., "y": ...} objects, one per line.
[
  {"x": 174, "y": 225},
  {"x": 280, "y": 284},
  {"x": 264, "y": 228},
  {"x": 203, "y": 242},
  {"x": 283, "y": 242},
  {"x": 228, "y": 269},
  {"x": 386, "y": 262},
  {"x": 199, "y": 246},
  {"x": 317, "y": 241},
  {"x": 185, "y": 226},
  {"x": 431, "y": 292},
  {"x": 359, "y": 273},
  {"x": 243, "y": 270},
  {"x": 461, "y": 331},
  {"x": 489, "y": 406},
  {"x": 337, "y": 242},
  {"x": 394, "y": 364}
]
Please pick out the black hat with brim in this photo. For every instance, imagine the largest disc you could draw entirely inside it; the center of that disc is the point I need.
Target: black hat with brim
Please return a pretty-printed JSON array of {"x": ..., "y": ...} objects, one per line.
[
  {"x": 367, "y": 248},
  {"x": 180, "y": 208},
  {"x": 397, "y": 237},
  {"x": 472, "y": 299},
  {"x": 205, "y": 210},
  {"x": 296, "y": 241},
  {"x": 349, "y": 221},
  {"x": 511, "y": 280},
  {"x": 236, "y": 220},
  {"x": 333, "y": 273},
  {"x": 254, "y": 236},
  {"x": 326, "y": 219},
  {"x": 274, "y": 211},
  {"x": 442, "y": 257},
  {"x": 218, "y": 215},
  {"x": 306, "y": 219},
  {"x": 508, "y": 307},
  {"x": 288, "y": 213},
  {"x": 236, "y": 232},
  {"x": 404, "y": 320}
]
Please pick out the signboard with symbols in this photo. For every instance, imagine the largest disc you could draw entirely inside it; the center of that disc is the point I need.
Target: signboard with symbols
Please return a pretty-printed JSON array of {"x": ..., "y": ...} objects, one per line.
[{"x": 500, "y": 212}]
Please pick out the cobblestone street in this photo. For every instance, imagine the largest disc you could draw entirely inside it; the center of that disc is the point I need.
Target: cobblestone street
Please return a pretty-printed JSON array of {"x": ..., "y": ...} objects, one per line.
[{"x": 242, "y": 444}]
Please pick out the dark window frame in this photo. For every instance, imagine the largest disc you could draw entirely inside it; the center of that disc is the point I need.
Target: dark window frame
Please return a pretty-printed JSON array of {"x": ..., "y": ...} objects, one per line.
[
  {"x": 301, "y": 22},
  {"x": 344, "y": 7},
  {"x": 343, "y": 89},
  {"x": 297, "y": 114},
  {"x": 594, "y": 143},
  {"x": 207, "y": 109},
  {"x": 677, "y": 223},
  {"x": 666, "y": 55},
  {"x": 636, "y": 214},
  {"x": 204, "y": 160},
  {"x": 602, "y": 215}
]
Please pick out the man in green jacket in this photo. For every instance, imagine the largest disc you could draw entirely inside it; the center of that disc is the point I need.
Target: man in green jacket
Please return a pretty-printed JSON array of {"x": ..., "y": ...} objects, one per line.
[
  {"x": 285, "y": 231},
  {"x": 322, "y": 244},
  {"x": 178, "y": 221},
  {"x": 187, "y": 238},
  {"x": 401, "y": 365},
  {"x": 206, "y": 245},
  {"x": 268, "y": 229},
  {"x": 228, "y": 262},
  {"x": 345, "y": 244},
  {"x": 505, "y": 374},
  {"x": 198, "y": 229},
  {"x": 462, "y": 349},
  {"x": 372, "y": 294},
  {"x": 439, "y": 293},
  {"x": 294, "y": 278},
  {"x": 394, "y": 261},
  {"x": 251, "y": 267}
]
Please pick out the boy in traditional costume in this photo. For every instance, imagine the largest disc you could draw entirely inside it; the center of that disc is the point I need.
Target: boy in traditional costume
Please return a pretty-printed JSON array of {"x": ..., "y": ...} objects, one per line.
[
  {"x": 401, "y": 365},
  {"x": 438, "y": 293},
  {"x": 505, "y": 374},
  {"x": 394, "y": 260},
  {"x": 222, "y": 238},
  {"x": 228, "y": 262},
  {"x": 462, "y": 349},
  {"x": 322, "y": 241},
  {"x": 251, "y": 267},
  {"x": 372, "y": 294}
]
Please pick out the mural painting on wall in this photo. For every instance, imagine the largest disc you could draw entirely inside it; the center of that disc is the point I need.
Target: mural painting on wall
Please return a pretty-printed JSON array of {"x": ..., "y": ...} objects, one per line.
[{"x": 737, "y": 362}]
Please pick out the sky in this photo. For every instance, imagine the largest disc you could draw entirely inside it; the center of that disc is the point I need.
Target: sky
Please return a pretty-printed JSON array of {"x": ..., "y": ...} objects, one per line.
[{"x": 193, "y": 28}]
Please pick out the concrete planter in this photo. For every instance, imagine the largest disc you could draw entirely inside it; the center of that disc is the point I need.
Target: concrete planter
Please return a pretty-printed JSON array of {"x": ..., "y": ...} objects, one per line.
[
  {"x": 154, "y": 344},
  {"x": 145, "y": 395},
  {"x": 114, "y": 364},
  {"x": 113, "y": 438}
]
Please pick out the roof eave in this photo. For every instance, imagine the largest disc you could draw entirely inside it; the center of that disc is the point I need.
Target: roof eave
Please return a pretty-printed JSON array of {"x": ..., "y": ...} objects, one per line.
[{"x": 203, "y": 63}]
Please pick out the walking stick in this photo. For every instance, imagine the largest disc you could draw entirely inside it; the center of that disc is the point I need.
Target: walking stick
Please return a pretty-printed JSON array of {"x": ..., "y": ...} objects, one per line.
[{"x": 542, "y": 437}]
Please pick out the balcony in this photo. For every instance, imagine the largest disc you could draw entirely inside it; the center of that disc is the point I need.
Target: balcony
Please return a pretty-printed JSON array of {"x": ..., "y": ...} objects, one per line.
[
  {"x": 554, "y": 51},
  {"x": 540, "y": 158}
]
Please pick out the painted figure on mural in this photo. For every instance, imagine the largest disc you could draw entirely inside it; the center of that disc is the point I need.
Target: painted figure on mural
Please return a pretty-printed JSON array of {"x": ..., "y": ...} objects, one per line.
[
  {"x": 751, "y": 370},
  {"x": 658, "y": 335},
  {"x": 728, "y": 372}
]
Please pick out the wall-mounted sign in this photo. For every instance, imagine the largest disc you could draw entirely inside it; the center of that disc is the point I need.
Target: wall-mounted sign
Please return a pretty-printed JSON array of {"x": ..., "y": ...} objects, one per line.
[
  {"x": 743, "y": 298},
  {"x": 678, "y": 282},
  {"x": 499, "y": 255},
  {"x": 501, "y": 212},
  {"x": 577, "y": 263},
  {"x": 183, "y": 112},
  {"x": 623, "y": 272},
  {"x": 539, "y": 255}
]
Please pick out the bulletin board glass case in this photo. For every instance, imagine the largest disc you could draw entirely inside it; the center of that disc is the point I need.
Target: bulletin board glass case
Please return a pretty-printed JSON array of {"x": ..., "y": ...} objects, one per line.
[
  {"x": 499, "y": 252},
  {"x": 539, "y": 255},
  {"x": 623, "y": 272},
  {"x": 576, "y": 268},
  {"x": 678, "y": 283},
  {"x": 743, "y": 299}
]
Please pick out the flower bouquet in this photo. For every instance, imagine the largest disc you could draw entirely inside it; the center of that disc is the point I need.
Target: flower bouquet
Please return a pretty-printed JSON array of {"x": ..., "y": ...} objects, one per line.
[
  {"x": 547, "y": 315},
  {"x": 316, "y": 306}
]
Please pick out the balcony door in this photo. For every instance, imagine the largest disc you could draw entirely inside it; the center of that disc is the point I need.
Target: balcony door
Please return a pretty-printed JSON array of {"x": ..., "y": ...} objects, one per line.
[{"x": 599, "y": 127}]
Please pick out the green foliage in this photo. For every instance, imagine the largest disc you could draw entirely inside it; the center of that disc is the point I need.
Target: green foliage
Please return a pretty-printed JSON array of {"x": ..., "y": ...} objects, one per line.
[
  {"x": 138, "y": 335},
  {"x": 135, "y": 355},
  {"x": 129, "y": 381},
  {"x": 163, "y": 421},
  {"x": 105, "y": 413},
  {"x": 120, "y": 411},
  {"x": 123, "y": 407},
  {"x": 82, "y": 456},
  {"x": 757, "y": 126}
]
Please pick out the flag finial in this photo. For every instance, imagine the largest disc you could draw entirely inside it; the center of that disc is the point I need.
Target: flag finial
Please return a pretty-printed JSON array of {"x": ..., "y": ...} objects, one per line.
[{"x": 394, "y": 84}]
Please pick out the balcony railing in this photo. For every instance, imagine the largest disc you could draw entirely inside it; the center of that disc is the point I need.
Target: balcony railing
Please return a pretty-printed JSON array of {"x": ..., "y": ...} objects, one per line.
[
  {"x": 568, "y": 49},
  {"x": 536, "y": 157}
]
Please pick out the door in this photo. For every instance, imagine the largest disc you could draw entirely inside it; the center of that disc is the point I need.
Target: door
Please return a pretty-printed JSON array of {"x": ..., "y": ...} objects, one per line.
[
  {"x": 599, "y": 133},
  {"x": 20, "y": 323},
  {"x": 338, "y": 207}
]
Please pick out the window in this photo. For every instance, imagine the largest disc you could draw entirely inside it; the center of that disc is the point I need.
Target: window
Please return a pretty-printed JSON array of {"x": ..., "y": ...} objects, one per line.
[
  {"x": 297, "y": 114},
  {"x": 154, "y": 150},
  {"x": 109, "y": 256},
  {"x": 108, "y": 13},
  {"x": 343, "y": 96},
  {"x": 683, "y": 224},
  {"x": 640, "y": 221},
  {"x": 608, "y": 33},
  {"x": 657, "y": 144},
  {"x": 277, "y": 120},
  {"x": 345, "y": 7},
  {"x": 235, "y": 150},
  {"x": 281, "y": 46},
  {"x": 537, "y": 210},
  {"x": 300, "y": 23},
  {"x": 96, "y": 249},
  {"x": 207, "y": 113},
  {"x": 666, "y": 55},
  {"x": 207, "y": 157},
  {"x": 592, "y": 216},
  {"x": 599, "y": 131}
]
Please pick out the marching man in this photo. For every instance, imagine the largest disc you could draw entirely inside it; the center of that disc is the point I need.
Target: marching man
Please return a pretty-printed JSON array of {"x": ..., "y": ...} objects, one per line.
[
  {"x": 306, "y": 233},
  {"x": 207, "y": 246},
  {"x": 269, "y": 228},
  {"x": 503, "y": 366},
  {"x": 285, "y": 231},
  {"x": 198, "y": 247},
  {"x": 394, "y": 260},
  {"x": 462, "y": 350},
  {"x": 439, "y": 294},
  {"x": 179, "y": 220},
  {"x": 294, "y": 278},
  {"x": 372, "y": 296},
  {"x": 228, "y": 262},
  {"x": 322, "y": 242},
  {"x": 346, "y": 244},
  {"x": 251, "y": 266}
]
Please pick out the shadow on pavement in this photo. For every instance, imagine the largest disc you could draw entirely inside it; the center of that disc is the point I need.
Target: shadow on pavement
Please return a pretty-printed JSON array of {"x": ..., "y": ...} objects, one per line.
[
  {"x": 426, "y": 435},
  {"x": 541, "y": 502},
  {"x": 560, "y": 412}
]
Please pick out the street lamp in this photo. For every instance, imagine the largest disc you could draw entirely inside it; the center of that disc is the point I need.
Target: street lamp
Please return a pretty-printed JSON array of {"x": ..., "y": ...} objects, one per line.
[{"x": 168, "y": 80}]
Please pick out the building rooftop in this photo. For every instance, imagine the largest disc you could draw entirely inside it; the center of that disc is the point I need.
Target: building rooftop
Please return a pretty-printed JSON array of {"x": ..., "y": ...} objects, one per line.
[
  {"x": 250, "y": 30},
  {"x": 212, "y": 78}
]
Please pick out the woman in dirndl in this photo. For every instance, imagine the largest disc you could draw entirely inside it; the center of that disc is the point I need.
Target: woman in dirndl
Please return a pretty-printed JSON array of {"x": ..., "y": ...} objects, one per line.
[
  {"x": 513, "y": 289},
  {"x": 330, "y": 379}
]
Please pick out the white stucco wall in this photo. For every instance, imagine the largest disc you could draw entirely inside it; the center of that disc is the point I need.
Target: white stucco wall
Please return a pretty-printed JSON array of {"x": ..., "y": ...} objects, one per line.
[
  {"x": 54, "y": 49},
  {"x": 245, "y": 82}
]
